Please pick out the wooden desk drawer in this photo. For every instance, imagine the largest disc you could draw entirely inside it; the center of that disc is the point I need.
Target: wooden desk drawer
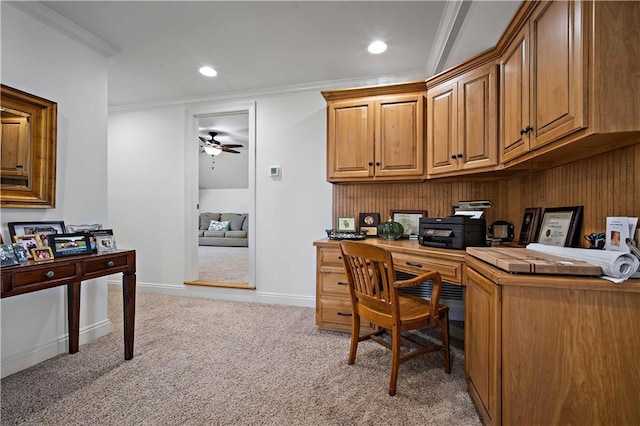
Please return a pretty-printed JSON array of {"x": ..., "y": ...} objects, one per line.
[
  {"x": 334, "y": 282},
  {"x": 330, "y": 257},
  {"x": 451, "y": 271},
  {"x": 336, "y": 314},
  {"x": 117, "y": 262},
  {"x": 45, "y": 276}
]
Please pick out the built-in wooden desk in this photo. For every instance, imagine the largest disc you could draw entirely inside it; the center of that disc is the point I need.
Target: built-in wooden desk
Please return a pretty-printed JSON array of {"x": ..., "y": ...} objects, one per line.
[{"x": 71, "y": 271}]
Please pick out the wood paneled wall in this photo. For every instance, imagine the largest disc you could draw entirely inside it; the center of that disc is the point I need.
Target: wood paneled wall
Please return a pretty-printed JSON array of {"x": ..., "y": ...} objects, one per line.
[{"x": 606, "y": 185}]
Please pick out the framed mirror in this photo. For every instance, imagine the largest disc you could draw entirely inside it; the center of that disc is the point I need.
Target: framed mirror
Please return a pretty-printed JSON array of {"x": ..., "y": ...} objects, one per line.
[{"x": 28, "y": 150}]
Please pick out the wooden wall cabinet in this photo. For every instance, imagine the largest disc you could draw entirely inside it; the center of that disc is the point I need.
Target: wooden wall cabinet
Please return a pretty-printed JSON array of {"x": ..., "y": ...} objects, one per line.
[
  {"x": 462, "y": 123},
  {"x": 566, "y": 82},
  {"x": 376, "y": 134}
]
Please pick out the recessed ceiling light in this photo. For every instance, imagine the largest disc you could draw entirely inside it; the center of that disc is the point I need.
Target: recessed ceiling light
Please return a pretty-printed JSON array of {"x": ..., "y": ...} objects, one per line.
[
  {"x": 377, "y": 47},
  {"x": 208, "y": 71}
]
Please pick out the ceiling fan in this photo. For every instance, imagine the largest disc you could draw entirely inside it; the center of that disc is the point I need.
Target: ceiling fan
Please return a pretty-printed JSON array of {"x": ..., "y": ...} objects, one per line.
[{"x": 214, "y": 147}]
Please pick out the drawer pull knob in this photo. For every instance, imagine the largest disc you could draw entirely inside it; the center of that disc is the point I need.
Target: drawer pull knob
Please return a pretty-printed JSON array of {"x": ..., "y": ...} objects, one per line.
[
  {"x": 340, "y": 257},
  {"x": 49, "y": 274},
  {"x": 342, "y": 283},
  {"x": 417, "y": 265},
  {"x": 342, "y": 314},
  {"x": 110, "y": 264}
]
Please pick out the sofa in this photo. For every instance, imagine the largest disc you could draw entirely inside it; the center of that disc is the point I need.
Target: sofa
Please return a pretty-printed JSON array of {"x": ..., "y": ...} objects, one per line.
[{"x": 223, "y": 229}]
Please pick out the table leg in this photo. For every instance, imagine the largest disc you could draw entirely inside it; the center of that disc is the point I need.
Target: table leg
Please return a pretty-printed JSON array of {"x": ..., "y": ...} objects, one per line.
[
  {"x": 129, "y": 304},
  {"x": 73, "y": 315}
]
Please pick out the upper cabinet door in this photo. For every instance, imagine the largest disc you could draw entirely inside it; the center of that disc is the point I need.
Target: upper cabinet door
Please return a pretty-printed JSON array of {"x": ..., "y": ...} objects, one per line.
[
  {"x": 477, "y": 120},
  {"x": 558, "y": 69},
  {"x": 399, "y": 142},
  {"x": 350, "y": 136},
  {"x": 514, "y": 98},
  {"x": 442, "y": 128}
]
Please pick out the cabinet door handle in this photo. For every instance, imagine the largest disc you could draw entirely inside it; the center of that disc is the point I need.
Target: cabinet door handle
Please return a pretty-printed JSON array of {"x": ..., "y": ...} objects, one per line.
[
  {"x": 370, "y": 163},
  {"x": 343, "y": 314},
  {"x": 453, "y": 156},
  {"x": 528, "y": 129},
  {"x": 19, "y": 166},
  {"x": 522, "y": 132},
  {"x": 378, "y": 163},
  {"x": 110, "y": 264},
  {"x": 49, "y": 274},
  {"x": 417, "y": 265},
  {"x": 460, "y": 155},
  {"x": 342, "y": 283}
]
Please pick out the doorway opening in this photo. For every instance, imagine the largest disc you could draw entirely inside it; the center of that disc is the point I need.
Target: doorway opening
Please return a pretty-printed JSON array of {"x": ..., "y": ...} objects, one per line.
[{"x": 224, "y": 178}]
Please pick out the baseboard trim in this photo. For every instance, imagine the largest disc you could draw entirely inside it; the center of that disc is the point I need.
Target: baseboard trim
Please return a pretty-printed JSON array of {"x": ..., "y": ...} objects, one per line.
[
  {"x": 221, "y": 293},
  {"x": 242, "y": 286},
  {"x": 21, "y": 360}
]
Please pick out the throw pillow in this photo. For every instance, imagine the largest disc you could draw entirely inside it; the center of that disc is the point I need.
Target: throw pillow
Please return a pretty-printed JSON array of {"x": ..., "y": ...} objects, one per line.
[{"x": 215, "y": 225}]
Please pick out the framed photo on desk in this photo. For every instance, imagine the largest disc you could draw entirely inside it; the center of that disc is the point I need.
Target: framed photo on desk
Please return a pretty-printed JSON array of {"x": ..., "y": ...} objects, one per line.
[{"x": 409, "y": 219}]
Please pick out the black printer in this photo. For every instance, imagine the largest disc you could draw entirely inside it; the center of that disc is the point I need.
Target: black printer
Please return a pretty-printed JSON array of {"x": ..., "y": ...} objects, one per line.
[{"x": 452, "y": 232}]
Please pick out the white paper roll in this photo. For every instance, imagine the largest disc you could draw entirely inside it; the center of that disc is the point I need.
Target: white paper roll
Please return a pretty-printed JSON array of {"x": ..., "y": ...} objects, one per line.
[{"x": 616, "y": 266}]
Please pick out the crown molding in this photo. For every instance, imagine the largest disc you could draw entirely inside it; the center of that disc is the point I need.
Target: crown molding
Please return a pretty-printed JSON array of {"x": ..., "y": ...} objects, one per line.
[
  {"x": 279, "y": 91},
  {"x": 64, "y": 26},
  {"x": 450, "y": 16}
]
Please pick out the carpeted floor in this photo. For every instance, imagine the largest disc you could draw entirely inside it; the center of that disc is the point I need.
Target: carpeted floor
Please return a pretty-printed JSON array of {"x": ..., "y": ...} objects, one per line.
[
  {"x": 224, "y": 264},
  {"x": 210, "y": 362}
]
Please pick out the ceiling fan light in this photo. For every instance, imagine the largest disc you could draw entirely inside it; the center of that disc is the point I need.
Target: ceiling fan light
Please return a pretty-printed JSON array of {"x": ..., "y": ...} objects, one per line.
[
  {"x": 377, "y": 47},
  {"x": 213, "y": 150}
]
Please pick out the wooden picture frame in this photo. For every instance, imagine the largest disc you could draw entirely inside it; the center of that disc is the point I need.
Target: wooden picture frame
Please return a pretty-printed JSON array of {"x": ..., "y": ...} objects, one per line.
[
  {"x": 559, "y": 226},
  {"x": 369, "y": 223},
  {"x": 346, "y": 224},
  {"x": 530, "y": 223},
  {"x": 69, "y": 244},
  {"x": 29, "y": 242},
  {"x": 42, "y": 254},
  {"x": 409, "y": 219}
]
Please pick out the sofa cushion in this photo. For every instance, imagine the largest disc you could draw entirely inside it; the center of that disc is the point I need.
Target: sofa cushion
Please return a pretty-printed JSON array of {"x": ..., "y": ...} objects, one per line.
[
  {"x": 245, "y": 225},
  {"x": 214, "y": 233},
  {"x": 219, "y": 225},
  {"x": 236, "y": 220},
  {"x": 206, "y": 218},
  {"x": 236, "y": 234}
]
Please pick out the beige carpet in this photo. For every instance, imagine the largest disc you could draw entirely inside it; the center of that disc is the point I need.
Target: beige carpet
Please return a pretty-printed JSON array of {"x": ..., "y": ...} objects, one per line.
[
  {"x": 224, "y": 264},
  {"x": 208, "y": 362}
]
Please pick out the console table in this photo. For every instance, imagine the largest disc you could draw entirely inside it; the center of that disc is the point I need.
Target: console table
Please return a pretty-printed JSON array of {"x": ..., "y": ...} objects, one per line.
[{"x": 71, "y": 271}]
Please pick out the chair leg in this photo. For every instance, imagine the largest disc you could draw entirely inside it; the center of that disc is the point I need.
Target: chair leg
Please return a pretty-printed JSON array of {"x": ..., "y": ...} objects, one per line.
[
  {"x": 355, "y": 334},
  {"x": 444, "y": 325},
  {"x": 395, "y": 360}
]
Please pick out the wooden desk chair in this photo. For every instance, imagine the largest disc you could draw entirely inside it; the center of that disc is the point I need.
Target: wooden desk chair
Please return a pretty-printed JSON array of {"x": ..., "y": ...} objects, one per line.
[{"x": 375, "y": 298}]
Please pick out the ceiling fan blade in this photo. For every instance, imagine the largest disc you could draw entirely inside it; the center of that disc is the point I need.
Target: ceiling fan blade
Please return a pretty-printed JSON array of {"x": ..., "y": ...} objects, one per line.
[
  {"x": 203, "y": 139},
  {"x": 232, "y": 151},
  {"x": 233, "y": 145}
]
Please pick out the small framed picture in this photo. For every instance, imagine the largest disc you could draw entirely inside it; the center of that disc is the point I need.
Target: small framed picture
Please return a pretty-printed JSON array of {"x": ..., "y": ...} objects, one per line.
[
  {"x": 559, "y": 226},
  {"x": 106, "y": 243},
  {"x": 22, "y": 255},
  {"x": 409, "y": 219},
  {"x": 29, "y": 242},
  {"x": 69, "y": 244},
  {"x": 369, "y": 223},
  {"x": 529, "y": 228},
  {"x": 42, "y": 229},
  {"x": 7, "y": 256},
  {"x": 96, "y": 233},
  {"x": 73, "y": 229},
  {"x": 347, "y": 224},
  {"x": 41, "y": 254}
]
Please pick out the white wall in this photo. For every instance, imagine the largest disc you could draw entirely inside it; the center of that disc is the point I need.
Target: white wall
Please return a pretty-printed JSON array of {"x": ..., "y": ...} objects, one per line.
[
  {"x": 148, "y": 202},
  {"x": 41, "y": 61},
  {"x": 224, "y": 200}
]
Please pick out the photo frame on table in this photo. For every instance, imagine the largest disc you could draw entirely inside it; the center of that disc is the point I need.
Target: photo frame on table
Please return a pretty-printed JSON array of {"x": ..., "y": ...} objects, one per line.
[
  {"x": 559, "y": 226},
  {"x": 409, "y": 219},
  {"x": 347, "y": 224},
  {"x": 530, "y": 222},
  {"x": 69, "y": 244},
  {"x": 42, "y": 229},
  {"x": 74, "y": 229},
  {"x": 41, "y": 254},
  {"x": 29, "y": 242},
  {"x": 94, "y": 234},
  {"x": 369, "y": 223},
  {"x": 106, "y": 243},
  {"x": 7, "y": 256},
  {"x": 22, "y": 255}
]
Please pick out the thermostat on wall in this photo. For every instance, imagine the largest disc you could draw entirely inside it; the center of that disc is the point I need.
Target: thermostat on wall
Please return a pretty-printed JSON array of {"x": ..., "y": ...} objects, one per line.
[{"x": 274, "y": 171}]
